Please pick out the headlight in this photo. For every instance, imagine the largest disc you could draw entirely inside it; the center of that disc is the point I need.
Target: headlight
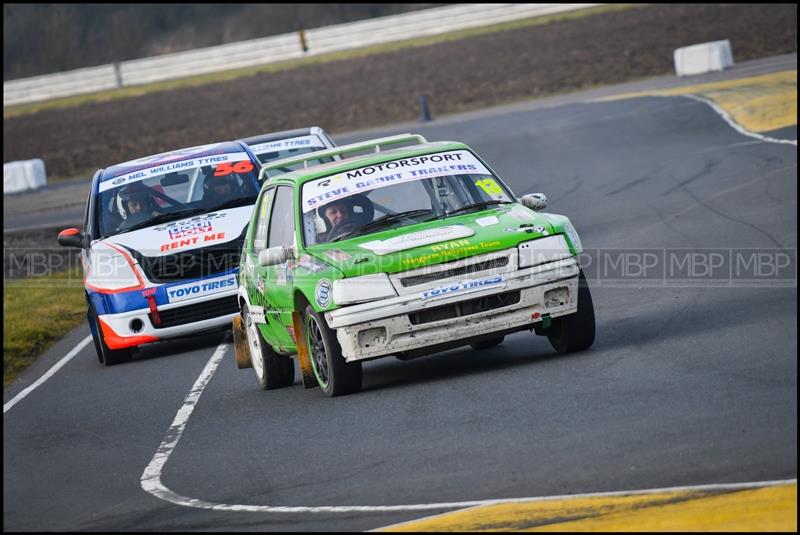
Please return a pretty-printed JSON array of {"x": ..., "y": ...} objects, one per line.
[
  {"x": 362, "y": 289},
  {"x": 572, "y": 234},
  {"x": 543, "y": 250},
  {"x": 110, "y": 270}
]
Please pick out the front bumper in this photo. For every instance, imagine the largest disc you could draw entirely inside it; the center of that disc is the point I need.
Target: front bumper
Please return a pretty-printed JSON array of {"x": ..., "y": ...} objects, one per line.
[
  {"x": 133, "y": 326},
  {"x": 408, "y": 322}
]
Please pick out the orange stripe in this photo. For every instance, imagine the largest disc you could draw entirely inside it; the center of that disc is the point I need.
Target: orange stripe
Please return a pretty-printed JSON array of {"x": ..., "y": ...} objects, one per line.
[{"x": 114, "y": 341}]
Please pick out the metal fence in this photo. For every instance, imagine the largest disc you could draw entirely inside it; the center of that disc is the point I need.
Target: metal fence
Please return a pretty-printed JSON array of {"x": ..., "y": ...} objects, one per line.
[{"x": 272, "y": 49}]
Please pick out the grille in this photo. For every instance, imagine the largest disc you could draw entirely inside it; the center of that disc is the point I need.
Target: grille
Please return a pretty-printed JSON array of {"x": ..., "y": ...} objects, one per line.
[
  {"x": 465, "y": 308},
  {"x": 455, "y": 272},
  {"x": 190, "y": 264},
  {"x": 197, "y": 312}
]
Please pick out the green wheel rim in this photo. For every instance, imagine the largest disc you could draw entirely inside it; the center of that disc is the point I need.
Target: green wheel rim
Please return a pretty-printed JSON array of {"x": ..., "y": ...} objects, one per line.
[
  {"x": 254, "y": 345},
  {"x": 316, "y": 346}
]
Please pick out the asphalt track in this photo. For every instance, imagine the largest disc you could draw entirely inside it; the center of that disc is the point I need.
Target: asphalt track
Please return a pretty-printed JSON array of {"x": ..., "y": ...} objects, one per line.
[{"x": 692, "y": 379}]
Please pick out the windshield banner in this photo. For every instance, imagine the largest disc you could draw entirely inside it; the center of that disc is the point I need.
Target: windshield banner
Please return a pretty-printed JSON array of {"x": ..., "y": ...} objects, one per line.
[
  {"x": 301, "y": 142},
  {"x": 455, "y": 162},
  {"x": 142, "y": 174}
]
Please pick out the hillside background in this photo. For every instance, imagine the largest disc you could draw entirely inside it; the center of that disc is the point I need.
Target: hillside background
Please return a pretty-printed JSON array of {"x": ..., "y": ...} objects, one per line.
[
  {"x": 47, "y": 38},
  {"x": 379, "y": 89}
]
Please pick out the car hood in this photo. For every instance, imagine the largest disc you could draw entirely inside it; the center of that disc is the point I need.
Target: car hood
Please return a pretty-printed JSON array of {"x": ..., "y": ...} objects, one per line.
[
  {"x": 435, "y": 242},
  {"x": 204, "y": 230}
]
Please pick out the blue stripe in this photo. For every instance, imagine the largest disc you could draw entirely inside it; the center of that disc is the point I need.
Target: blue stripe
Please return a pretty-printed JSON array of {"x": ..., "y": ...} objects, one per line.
[{"x": 135, "y": 300}]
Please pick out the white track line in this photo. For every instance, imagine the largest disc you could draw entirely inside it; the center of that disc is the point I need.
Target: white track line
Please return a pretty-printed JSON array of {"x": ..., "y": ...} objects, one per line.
[
  {"x": 151, "y": 477},
  {"x": 739, "y": 128},
  {"x": 49, "y": 373}
]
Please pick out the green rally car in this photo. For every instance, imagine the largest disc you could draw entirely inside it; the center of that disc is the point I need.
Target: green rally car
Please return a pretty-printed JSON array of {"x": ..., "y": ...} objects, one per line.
[{"x": 402, "y": 248}]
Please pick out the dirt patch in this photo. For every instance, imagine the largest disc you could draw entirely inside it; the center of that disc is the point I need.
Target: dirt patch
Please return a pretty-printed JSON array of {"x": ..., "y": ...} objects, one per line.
[{"x": 371, "y": 91}]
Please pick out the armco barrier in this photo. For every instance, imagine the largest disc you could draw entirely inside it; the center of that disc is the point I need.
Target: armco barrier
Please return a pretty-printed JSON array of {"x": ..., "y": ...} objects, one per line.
[{"x": 271, "y": 49}]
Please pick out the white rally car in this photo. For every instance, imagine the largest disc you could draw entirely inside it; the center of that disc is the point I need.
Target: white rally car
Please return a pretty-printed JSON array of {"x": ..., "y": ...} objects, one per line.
[
  {"x": 161, "y": 242},
  {"x": 290, "y": 143}
]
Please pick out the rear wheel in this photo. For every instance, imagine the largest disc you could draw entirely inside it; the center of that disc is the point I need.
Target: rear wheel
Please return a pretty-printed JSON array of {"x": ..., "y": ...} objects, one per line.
[
  {"x": 272, "y": 370},
  {"x": 486, "y": 344},
  {"x": 105, "y": 355},
  {"x": 335, "y": 376},
  {"x": 574, "y": 332}
]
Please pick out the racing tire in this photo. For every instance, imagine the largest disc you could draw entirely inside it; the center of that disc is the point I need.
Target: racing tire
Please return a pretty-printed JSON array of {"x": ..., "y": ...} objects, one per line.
[
  {"x": 272, "y": 370},
  {"x": 487, "y": 344},
  {"x": 574, "y": 332},
  {"x": 105, "y": 355},
  {"x": 334, "y": 376}
]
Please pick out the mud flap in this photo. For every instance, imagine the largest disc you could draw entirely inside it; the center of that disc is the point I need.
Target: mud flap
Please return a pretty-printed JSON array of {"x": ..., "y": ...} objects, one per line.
[
  {"x": 240, "y": 345},
  {"x": 303, "y": 356}
]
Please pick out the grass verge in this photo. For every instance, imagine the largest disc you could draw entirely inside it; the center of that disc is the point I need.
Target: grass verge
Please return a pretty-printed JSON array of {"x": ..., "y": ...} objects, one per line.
[
  {"x": 37, "y": 312},
  {"x": 222, "y": 76}
]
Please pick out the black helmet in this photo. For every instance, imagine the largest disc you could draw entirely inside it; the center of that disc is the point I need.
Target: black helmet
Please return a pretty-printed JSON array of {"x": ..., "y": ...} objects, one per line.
[
  {"x": 211, "y": 181},
  {"x": 134, "y": 192}
]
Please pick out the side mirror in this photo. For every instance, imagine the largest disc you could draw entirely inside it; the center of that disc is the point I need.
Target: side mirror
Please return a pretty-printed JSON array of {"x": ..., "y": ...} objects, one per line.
[
  {"x": 273, "y": 256},
  {"x": 534, "y": 201},
  {"x": 70, "y": 237}
]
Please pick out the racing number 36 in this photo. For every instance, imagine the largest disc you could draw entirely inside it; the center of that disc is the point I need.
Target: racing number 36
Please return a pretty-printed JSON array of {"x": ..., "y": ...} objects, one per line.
[{"x": 227, "y": 168}]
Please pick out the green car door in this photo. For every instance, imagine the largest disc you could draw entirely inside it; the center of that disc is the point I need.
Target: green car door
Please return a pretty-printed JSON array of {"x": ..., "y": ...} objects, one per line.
[{"x": 278, "y": 287}]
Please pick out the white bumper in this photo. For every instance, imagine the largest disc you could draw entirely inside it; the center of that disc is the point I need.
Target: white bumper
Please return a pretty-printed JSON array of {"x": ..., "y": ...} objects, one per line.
[
  {"x": 384, "y": 327},
  {"x": 121, "y": 323}
]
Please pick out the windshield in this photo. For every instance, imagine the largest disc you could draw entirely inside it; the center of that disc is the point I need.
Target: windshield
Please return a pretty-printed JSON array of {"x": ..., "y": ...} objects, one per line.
[
  {"x": 398, "y": 193},
  {"x": 284, "y": 148},
  {"x": 166, "y": 197}
]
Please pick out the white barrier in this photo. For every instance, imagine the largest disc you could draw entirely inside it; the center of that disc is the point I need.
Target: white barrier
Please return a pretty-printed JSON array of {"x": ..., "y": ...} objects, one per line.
[
  {"x": 272, "y": 49},
  {"x": 23, "y": 175},
  {"x": 705, "y": 57}
]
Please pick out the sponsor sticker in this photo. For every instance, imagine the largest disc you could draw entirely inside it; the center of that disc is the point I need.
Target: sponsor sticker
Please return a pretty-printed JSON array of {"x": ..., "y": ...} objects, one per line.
[
  {"x": 338, "y": 255},
  {"x": 260, "y": 284},
  {"x": 310, "y": 263},
  {"x": 325, "y": 190},
  {"x": 280, "y": 276},
  {"x": 198, "y": 227},
  {"x": 323, "y": 293},
  {"x": 465, "y": 286},
  {"x": 136, "y": 176},
  {"x": 487, "y": 221},
  {"x": 418, "y": 239},
  {"x": 521, "y": 214},
  {"x": 201, "y": 288},
  {"x": 286, "y": 144},
  {"x": 204, "y": 219}
]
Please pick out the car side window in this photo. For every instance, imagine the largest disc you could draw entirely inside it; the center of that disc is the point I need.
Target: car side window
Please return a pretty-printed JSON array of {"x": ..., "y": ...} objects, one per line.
[
  {"x": 281, "y": 231},
  {"x": 262, "y": 223}
]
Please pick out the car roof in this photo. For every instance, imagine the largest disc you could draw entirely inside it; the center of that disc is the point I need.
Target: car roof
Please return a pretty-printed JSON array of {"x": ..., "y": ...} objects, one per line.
[
  {"x": 312, "y": 172},
  {"x": 274, "y": 136},
  {"x": 178, "y": 155}
]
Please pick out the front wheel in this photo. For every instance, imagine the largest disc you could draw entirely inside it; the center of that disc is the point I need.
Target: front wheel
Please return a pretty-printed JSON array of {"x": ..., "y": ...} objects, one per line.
[
  {"x": 272, "y": 370},
  {"x": 105, "y": 355},
  {"x": 486, "y": 344},
  {"x": 574, "y": 332},
  {"x": 335, "y": 376}
]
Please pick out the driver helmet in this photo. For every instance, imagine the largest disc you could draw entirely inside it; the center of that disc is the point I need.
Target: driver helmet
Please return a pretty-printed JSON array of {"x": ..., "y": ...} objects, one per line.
[
  {"x": 135, "y": 192},
  {"x": 213, "y": 185},
  {"x": 347, "y": 203}
]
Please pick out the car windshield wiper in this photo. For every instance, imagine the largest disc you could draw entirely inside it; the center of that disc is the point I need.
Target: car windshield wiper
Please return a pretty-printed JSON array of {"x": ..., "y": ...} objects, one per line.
[
  {"x": 382, "y": 222},
  {"x": 162, "y": 218},
  {"x": 481, "y": 204}
]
